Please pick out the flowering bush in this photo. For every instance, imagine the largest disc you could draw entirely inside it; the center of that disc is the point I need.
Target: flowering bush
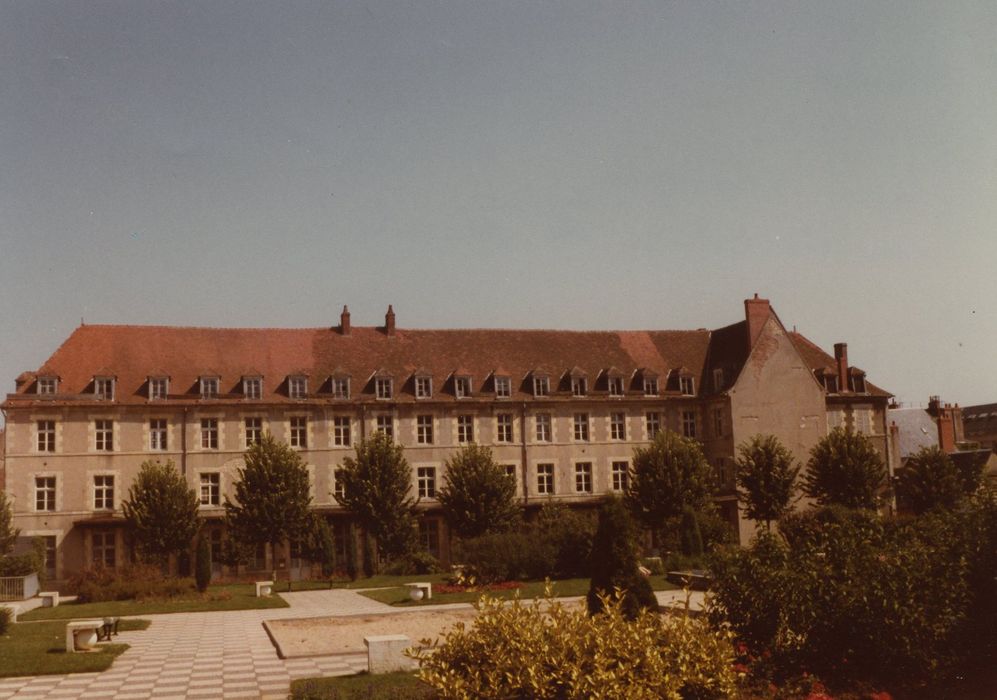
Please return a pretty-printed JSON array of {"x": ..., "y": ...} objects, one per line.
[{"x": 138, "y": 582}]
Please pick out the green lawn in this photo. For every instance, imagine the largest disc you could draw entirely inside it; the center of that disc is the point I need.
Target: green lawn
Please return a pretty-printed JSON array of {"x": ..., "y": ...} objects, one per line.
[
  {"x": 390, "y": 686},
  {"x": 230, "y": 597},
  {"x": 38, "y": 649},
  {"x": 399, "y": 595},
  {"x": 372, "y": 582}
]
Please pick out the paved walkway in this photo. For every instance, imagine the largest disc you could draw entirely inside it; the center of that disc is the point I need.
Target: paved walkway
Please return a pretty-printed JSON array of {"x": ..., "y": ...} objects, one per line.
[{"x": 220, "y": 654}]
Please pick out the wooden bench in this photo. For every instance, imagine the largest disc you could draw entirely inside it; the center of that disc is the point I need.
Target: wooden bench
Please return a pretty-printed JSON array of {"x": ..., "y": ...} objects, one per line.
[
  {"x": 81, "y": 635},
  {"x": 420, "y": 590},
  {"x": 50, "y": 599},
  {"x": 264, "y": 588}
]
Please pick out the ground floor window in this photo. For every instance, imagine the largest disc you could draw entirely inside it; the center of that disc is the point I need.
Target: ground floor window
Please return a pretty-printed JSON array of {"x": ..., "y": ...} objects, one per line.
[
  {"x": 103, "y": 548},
  {"x": 429, "y": 534},
  {"x": 260, "y": 557},
  {"x": 49, "y": 541}
]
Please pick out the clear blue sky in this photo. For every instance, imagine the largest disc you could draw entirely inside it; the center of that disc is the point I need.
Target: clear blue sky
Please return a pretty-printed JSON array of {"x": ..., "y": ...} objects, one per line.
[{"x": 507, "y": 164}]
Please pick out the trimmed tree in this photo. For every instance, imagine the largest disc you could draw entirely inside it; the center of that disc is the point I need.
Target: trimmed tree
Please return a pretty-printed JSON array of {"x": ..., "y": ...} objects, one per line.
[
  {"x": 376, "y": 487},
  {"x": 668, "y": 475},
  {"x": 202, "y": 563},
  {"x": 766, "y": 478},
  {"x": 929, "y": 480},
  {"x": 272, "y": 503},
  {"x": 614, "y": 563},
  {"x": 477, "y": 497},
  {"x": 322, "y": 546},
  {"x": 845, "y": 469},
  {"x": 8, "y": 533},
  {"x": 161, "y": 510}
]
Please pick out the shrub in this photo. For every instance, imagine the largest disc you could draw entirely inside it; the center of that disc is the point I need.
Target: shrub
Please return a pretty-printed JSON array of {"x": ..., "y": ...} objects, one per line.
[
  {"x": 568, "y": 536},
  {"x": 544, "y": 650},
  {"x": 691, "y": 535},
  {"x": 844, "y": 469},
  {"x": 19, "y": 564},
  {"x": 202, "y": 563},
  {"x": 506, "y": 556},
  {"x": 414, "y": 563},
  {"x": 5, "y": 617},
  {"x": 137, "y": 582},
  {"x": 614, "y": 564}
]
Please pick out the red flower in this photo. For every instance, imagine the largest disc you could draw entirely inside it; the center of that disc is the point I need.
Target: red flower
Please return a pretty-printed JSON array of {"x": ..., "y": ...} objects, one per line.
[
  {"x": 881, "y": 695},
  {"x": 740, "y": 668}
]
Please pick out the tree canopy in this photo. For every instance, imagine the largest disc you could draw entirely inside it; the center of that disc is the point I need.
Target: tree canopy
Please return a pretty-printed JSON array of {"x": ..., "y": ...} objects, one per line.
[
  {"x": 845, "y": 469},
  {"x": 766, "y": 478},
  {"x": 614, "y": 563},
  {"x": 477, "y": 496},
  {"x": 161, "y": 510},
  {"x": 375, "y": 488},
  {"x": 8, "y": 533},
  {"x": 930, "y": 480},
  {"x": 668, "y": 475}
]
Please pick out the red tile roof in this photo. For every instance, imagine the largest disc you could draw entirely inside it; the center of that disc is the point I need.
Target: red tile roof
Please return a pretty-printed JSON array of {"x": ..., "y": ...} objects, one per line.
[{"x": 818, "y": 359}]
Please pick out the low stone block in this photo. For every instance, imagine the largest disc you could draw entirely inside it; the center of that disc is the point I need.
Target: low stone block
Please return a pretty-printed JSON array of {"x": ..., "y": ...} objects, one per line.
[
  {"x": 425, "y": 587},
  {"x": 386, "y": 653},
  {"x": 50, "y": 599},
  {"x": 264, "y": 588},
  {"x": 81, "y": 635}
]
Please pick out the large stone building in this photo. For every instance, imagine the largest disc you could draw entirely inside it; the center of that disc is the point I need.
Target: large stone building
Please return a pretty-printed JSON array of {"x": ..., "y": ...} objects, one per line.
[{"x": 563, "y": 410}]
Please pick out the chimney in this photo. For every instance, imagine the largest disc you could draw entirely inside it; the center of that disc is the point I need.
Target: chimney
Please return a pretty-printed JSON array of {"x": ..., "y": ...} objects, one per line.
[
  {"x": 841, "y": 360},
  {"x": 934, "y": 406},
  {"x": 389, "y": 321},
  {"x": 344, "y": 321},
  {"x": 756, "y": 312},
  {"x": 946, "y": 432}
]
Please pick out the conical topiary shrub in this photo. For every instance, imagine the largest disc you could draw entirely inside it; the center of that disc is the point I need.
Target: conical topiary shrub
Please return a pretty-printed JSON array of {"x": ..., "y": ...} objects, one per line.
[{"x": 614, "y": 562}]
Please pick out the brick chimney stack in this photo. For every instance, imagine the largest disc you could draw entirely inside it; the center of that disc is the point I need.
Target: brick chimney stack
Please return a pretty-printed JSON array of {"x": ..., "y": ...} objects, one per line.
[
  {"x": 389, "y": 321},
  {"x": 946, "y": 431},
  {"x": 756, "y": 313},
  {"x": 841, "y": 360},
  {"x": 344, "y": 321}
]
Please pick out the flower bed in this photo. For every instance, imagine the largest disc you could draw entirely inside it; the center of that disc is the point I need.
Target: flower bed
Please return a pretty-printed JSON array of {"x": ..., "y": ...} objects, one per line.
[{"x": 473, "y": 588}]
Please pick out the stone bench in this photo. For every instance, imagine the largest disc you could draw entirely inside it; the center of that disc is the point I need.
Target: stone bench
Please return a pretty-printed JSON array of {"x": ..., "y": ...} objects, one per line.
[
  {"x": 264, "y": 588},
  {"x": 696, "y": 579},
  {"x": 418, "y": 591},
  {"x": 81, "y": 635},
  {"x": 50, "y": 599},
  {"x": 386, "y": 653}
]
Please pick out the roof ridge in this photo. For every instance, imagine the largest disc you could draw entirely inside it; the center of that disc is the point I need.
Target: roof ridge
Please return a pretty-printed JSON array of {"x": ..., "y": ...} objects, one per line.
[{"x": 334, "y": 328}]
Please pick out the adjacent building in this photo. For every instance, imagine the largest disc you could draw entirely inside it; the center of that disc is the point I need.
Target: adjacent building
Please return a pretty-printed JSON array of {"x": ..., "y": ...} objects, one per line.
[{"x": 563, "y": 411}]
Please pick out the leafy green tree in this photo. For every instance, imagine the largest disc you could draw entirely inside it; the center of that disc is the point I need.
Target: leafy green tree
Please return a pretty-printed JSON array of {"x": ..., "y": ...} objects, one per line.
[
  {"x": 272, "y": 503},
  {"x": 376, "y": 488},
  {"x": 668, "y": 475},
  {"x": 202, "y": 563},
  {"x": 929, "y": 480},
  {"x": 691, "y": 535},
  {"x": 614, "y": 563},
  {"x": 844, "y": 469},
  {"x": 766, "y": 478},
  {"x": 161, "y": 510},
  {"x": 477, "y": 497},
  {"x": 8, "y": 533},
  {"x": 322, "y": 545}
]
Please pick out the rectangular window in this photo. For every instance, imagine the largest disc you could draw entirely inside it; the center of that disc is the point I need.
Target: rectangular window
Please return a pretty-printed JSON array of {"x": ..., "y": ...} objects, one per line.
[
  {"x": 211, "y": 489},
  {"x": 341, "y": 432},
  {"x": 462, "y": 387},
  {"x": 650, "y": 386},
  {"x": 545, "y": 478},
  {"x": 720, "y": 469},
  {"x": 616, "y": 386},
  {"x": 158, "y": 388},
  {"x": 653, "y": 423},
  {"x": 209, "y": 433},
  {"x": 718, "y": 422},
  {"x": 429, "y": 533},
  {"x": 423, "y": 387},
  {"x": 831, "y": 383},
  {"x": 46, "y": 436},
  {"x": 503, "y": 387},
  {"x": 427, "y": 482},
  {"x": 543, "y": 427},
  {"x": 617, "y": 426},
  {"x": 583, "y": 477},
  {"x": 45, "y": 493},
  {"x": 687, "y": 385},
  {"x": 581, "y": 427},
  {"x": 252, "y": 387},
  {"x": 103, "y": 492},
  {"x": 104, "y": 435},
  {"x": 297, "y": 387},
  {"x": 103, "y": 548},
  {"x": 465, "y": 429},
  {"x": 103, "y": 388},
  {"x": 340, "y": 387},
  {"x": 858, "y": 384},
  {"x": 209, "y": 387},
  {"x": 339, "y": 489},
  {"x": 386, "y": 425},
  {"x": 503, "y": 427},
  {"x": 254, "y": 431},
  {"x": 50, "y": 554},
  {"x": 718, "y": 379},
  {"x": 579, "y": 386},
  {"x": 689, "y": 424},
  {"x": 541, "y": 386},
  {"x": 157, "y": 434},
  {"x": 299, "y": 431},
  {"x": 382, "y": 388},
  {"x": 424, "y": 430},
  {"x": 621, "y": 476},
  {"x": 47, "y": 385},
  {"x": 510, "y": 471}
]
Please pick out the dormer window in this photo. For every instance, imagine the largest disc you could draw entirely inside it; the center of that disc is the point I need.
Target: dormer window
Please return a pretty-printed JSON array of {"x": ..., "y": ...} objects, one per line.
[
  {"x": 541, "y": 385},
  {"x": 383, "y": 388},
  {"x": 579, "y": 386},
  {"x": 423, "y": 387},
  {"x": 159, "y": 388},
  {"x": 340, "y": 386},
  {"x": 252, "y": 387},
  {"x": 718, "y": 379},
  {"x": 503, "y": 387},
  {"x": 47, "y": 385},
  {"x": 103, "y": 388},
  {"x": 650, "y": 386},
  {"x": 209, "y": 387},
  {"x": 462, "y": 387},
  {"x": 615, "y": 386},
  {"x": 297, "y": 387},
  {"x": 858, "y": 383},
  {"x": 687, "y": 385},
  {"x": 830, "y": 381}
]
